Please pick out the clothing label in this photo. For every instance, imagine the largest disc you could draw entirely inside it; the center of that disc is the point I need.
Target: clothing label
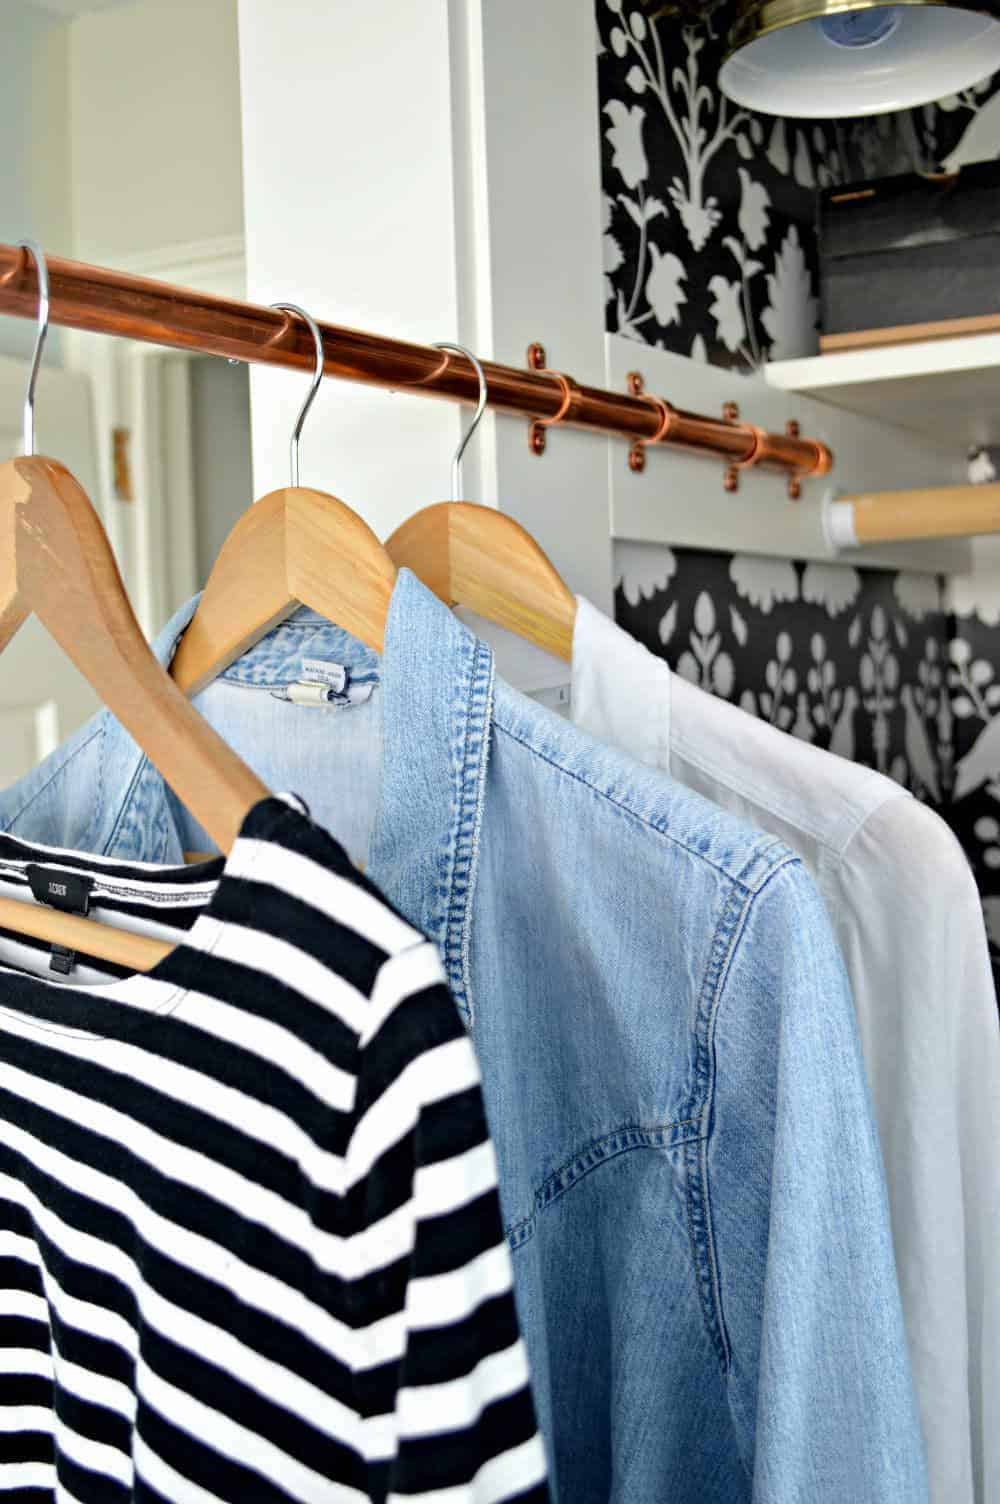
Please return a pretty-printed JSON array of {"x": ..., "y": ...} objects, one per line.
[
  {"x": 558, "y": 697},
  {"x": 322, "y": 671},
  {"x": 63, "y": 960},
  {"x": 326, "y": 683},
  {"x": 60, "y": 889},
  {"x": 309, "y": 694}
]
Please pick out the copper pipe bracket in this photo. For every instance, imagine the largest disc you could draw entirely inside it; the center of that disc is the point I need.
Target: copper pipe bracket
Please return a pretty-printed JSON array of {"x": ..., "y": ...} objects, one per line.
[
  {"x": 731, "y": 478},
  {"x": 793, "y": 431},
  {"x": 636, "y": 383},
  {"x": 822, "y": 464},
  {"x": 668, "y": 415},
  {"x": 731, "y": 474},
  {"x": 537, "y": 427}
]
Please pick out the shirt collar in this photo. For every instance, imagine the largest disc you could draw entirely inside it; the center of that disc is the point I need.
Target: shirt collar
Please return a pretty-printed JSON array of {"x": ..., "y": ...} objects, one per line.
[
  {"x": 437, "y": 698},
  {"x": 621, "y": 691},
  {"x": 437, "y": 704},
  {"x": 165, "y": 643}
]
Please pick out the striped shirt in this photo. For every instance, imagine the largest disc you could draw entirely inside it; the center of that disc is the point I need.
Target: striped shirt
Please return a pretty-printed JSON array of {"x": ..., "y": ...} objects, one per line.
[{"x": 250, "y": 1240}]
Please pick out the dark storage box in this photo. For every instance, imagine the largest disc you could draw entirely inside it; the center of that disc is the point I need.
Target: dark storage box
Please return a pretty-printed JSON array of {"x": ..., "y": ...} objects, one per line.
[{"x": 913, "y": 257}]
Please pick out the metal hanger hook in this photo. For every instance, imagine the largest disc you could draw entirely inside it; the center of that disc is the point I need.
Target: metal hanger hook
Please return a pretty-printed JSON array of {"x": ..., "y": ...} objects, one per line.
[
  {"x": 456, "y": 464},
  {"x": 28, "y": 424},
  {"x": 293, "y": 448}
]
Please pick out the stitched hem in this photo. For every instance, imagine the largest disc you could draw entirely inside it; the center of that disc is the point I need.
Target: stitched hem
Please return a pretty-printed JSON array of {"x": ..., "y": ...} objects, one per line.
[
  {"x": 125, "y": 808},
  {"x": 700, "y": 1228},
  {"x": 470, "y": 778},
  {"x": 729, "y": 932}
]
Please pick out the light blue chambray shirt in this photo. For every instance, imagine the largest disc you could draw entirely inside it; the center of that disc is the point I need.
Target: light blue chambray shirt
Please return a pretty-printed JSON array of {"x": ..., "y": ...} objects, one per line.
[{"x": 690, "y": 1175}]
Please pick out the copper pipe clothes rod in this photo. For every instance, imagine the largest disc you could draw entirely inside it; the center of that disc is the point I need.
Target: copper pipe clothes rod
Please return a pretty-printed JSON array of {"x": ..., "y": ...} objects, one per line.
[{"x": 111, "y": 302}]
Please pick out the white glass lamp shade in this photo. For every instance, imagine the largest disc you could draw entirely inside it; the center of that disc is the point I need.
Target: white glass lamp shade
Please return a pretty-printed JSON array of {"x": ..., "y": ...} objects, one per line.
[{"x": 834, "y": 58}]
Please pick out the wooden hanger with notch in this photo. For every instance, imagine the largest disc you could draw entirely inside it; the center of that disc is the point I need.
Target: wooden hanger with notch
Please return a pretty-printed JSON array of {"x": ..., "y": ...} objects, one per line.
[
  {"x": 478, "y": 557},
  {"x": 56, "y": 563},
  {"x": 295, "y": 547}
]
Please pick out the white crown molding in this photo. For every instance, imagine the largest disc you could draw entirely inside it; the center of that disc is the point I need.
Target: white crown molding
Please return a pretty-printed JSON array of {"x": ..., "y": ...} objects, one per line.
[
  {"x": 67, "y": 10},
  {"x": 214, "y": 266}
]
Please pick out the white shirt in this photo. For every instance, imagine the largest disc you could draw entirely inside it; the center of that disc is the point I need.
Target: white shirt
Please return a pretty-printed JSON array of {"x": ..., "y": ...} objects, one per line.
[{"x": 907, "y": 914}]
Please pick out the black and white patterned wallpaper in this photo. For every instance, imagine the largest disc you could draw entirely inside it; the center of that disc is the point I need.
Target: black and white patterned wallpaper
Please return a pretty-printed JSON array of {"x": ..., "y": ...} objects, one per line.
[
  {"x": 974, "y": 812},
  {"x": 709, "y": 210},
  {"x": 852, "y": 661}
]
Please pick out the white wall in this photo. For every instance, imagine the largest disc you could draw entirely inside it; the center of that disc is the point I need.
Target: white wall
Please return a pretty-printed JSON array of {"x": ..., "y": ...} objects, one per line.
[
  {"x": 155, "y": 127},
  {"x": 220, "y": 444},
  {"x": 429, "y": 171},
  {"x": 350, "y": 212},
  {"x": 34, "y": 166}
]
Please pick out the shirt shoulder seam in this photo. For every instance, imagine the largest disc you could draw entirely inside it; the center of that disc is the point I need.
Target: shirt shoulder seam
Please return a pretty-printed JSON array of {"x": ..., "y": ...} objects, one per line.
[
  {"x": 767, "y": 853},
  {"x": 838, "y": 847}
]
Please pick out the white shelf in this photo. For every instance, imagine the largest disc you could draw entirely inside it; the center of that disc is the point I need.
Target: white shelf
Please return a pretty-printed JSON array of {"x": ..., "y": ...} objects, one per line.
[{"x": 948, "y": 390}]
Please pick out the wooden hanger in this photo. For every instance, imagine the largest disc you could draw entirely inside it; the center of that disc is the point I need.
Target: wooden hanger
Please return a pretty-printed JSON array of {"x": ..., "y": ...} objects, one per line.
[
  {"x": 296, "y": 547},
  {"x": 75, "y": 932},
  {"x": 478, "y": 557},
  {"x": 56, "y": 562}
]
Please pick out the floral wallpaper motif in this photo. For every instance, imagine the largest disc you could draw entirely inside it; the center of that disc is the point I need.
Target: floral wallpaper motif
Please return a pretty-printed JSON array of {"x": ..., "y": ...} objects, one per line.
[
  {"x": 854, "y": 661},
  {"x": 974, "y": 683},
  {"x": 709, "y": 210},
  {"x": 863, "y": 663}
]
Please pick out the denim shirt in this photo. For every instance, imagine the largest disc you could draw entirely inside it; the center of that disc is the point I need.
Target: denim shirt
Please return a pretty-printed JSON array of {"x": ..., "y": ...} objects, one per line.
[{"x": 690, "y": 1176}]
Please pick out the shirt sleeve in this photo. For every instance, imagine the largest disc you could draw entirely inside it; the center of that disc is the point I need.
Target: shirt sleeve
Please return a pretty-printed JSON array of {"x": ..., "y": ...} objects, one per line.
[
  {"x": 805, "y": 1286},
  {"x": 912, "y": 930},
  {"x": 442, "y": 1377}
]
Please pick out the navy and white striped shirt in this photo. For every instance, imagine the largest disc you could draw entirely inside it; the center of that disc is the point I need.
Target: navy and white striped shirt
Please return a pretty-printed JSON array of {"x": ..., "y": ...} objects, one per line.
[{"x": 250, "y": 1240}]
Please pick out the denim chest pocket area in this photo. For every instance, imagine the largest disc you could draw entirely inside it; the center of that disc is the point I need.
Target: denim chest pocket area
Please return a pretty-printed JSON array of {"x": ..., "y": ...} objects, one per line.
[{"x": 626, "y": 1157}]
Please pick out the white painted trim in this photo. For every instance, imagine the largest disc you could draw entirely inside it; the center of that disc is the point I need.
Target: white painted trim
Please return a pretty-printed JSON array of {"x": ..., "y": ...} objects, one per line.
[
  {"x": 179, "y": 532},
  {"x": 679, "y": 499},
  {"x": 143, "y": 367},
  {"x": 164, "y": 566},
  {"x": 145, "y": 388},
  {"x": 817, "y": 373},
  {"x": 214, "y": 265},
  {"x": 46, "y": 729}
]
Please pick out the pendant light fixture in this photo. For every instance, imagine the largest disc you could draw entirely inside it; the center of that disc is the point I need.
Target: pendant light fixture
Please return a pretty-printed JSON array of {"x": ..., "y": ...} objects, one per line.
[{"x": 832, "y": 58}]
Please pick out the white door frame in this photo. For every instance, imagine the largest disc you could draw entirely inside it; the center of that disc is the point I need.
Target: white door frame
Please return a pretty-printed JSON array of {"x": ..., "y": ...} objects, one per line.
[{"x": 146, "y": 390}]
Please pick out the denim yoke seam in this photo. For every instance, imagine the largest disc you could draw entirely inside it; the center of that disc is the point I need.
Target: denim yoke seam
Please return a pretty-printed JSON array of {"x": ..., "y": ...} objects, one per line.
[
  {"x": 597, "y": 1152},
  {"x": 22, "y": 809},
  {"x": 470, "y": 778},
  {"x": 729, "y": 932},
  {"x": 111, "y": 846}
]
